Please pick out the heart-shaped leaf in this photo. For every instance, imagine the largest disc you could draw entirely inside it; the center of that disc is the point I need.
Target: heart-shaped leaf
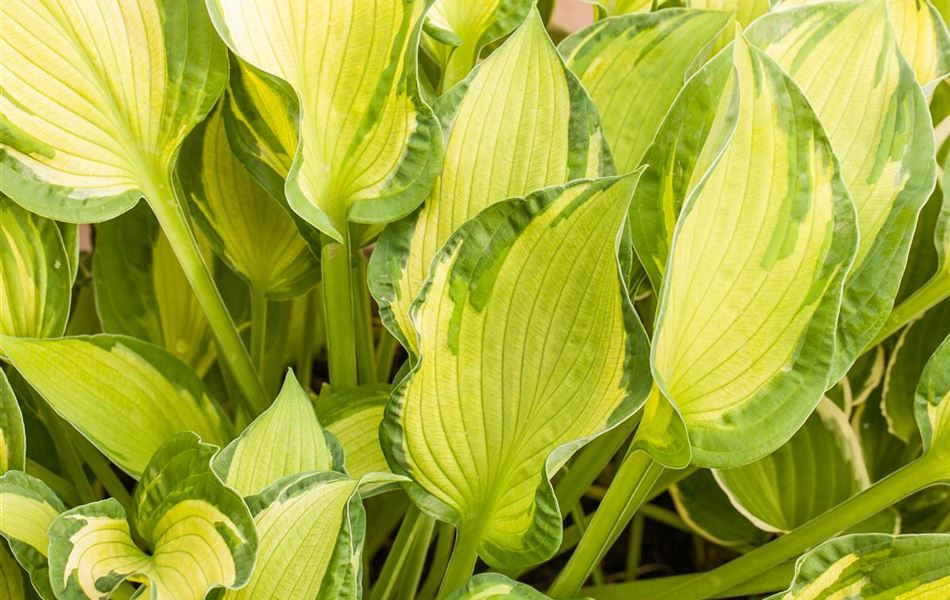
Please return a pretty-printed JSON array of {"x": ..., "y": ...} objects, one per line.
[
  {"x": 819, "y": 468},
  {"x": 353, "y": 417},
  {"x": 634, "y": 66},
  {"x": 248, "y": 228},
  {"x": 12, "y": 432},
  {"x": 459, "y": 29},
  {"x": 528, "y": 348},
  {"x": 37, "y": 277},
  {"x": 198, "y": 532},
  {"x": 520, "y": 122},
  {"x": 487, "y": 586},
  {"x": 284, "y": 440},
  {"x": 97, "y": 99},
  {"x": 141, "y": 290},
  {"x": 869, "y": 566},
  {"x": 753, "y": 282},
  {"x": 368, "y": 145},
  {"x": 124, "y": 395},
  {"x": 886, "y": 152},
  {"x": 29, "y": 507}
]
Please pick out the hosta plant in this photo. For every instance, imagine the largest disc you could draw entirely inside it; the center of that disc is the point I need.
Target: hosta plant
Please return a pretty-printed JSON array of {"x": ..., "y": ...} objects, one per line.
[{"x": 434, "y": 299}]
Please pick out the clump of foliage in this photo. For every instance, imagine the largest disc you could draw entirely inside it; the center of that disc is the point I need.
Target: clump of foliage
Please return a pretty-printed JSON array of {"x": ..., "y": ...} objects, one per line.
[{"x": 398, "y": 298}]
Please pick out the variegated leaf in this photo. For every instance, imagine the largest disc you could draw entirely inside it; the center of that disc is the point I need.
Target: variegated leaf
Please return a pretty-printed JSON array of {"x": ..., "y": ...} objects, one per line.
[
  {"x": 97, "y": 98},
  {"x": 859, "y": 567},
  {"x": 528, "y": 348},
  {"x": 286, "y": 439},
  {"x": 353, "y": 417},
  {"x": 519, "y": 122},
  {"x": 612, "y": 8},
  {"x": 369, "y": 145},
  {"x": 493, "y": 586},
  {"x": 12, "y": 432},
  {"x": 885, "y": 150},
  {"x": 37, "y": 277},
  {"x": 198, "y": 533},
  {"x": 29, "y": 507},
  {"x": 933, "y": 409},
  {"x": 706, "y": 508},
  {"x": 125, "y": 395},
  {"x": 753, "y": 282}
]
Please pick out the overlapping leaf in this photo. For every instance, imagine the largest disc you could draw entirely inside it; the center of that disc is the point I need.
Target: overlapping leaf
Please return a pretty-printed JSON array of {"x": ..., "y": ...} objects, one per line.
[
  {"x": 98, "y": 96},
  {"x": 199, "y": 533},
  {"x": 933, "y": 408},
  {"x": 353, "y": 417},
  {"x": 520, "y": 122},
  {"x": 126, "y": 396},
  {"x": 488, "y": 586},
  {"x": 14, "y": 582},
  {"x": 285, "y": 440},
  {"x": 368, "y": 145},
  {"x": 706, "y": 508},
  {"x": 12, "y": 432},
  {"x": 37, "y": 274},
  {"x": 745, "y": 327},
  {"x": 528, "y": 347},
  {"x": 885, "y": 149},
  {"x": 868, "y": 566}
]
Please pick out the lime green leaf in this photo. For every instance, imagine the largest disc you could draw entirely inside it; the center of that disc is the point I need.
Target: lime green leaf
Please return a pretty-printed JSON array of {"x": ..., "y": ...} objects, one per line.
[
  {"x": 705, "y": 507},
  {"x": 470, "y": 26},
  {"x": 754, "y": 281},
  {"x": 198, "y": 533},
  {"x": 820, "y": 467},
  {"x": 741, "y": 13},
  {"x": 29, "y": 507},
  {"x": 353, "y": 417},
  {"x": 12, "y": 432},
  {"x": 97, "y": 98},
  {"x": 125, "y": 395},
  {"x": 142, "y": 291},
  {"x": 14, "y": 581},
  {"x": 520, "y": 122},
  {"x": 942, "y": 230},
  {"x": 933, "y": 407},
  {"x": 488, "y": 586},
  {"x": 634, "y": 66},
  {"x": 311, "y": 530},
  {"x": 37, "y": 275},
  {"x": 612, "y": 8},
  {"x": 886, "y": 151},
  {"x": 529, "y": 348},
  {"x": 873, "y": 566},
  {"x": 917, "y": 342},
  {"x": 285, "y": 439},
  {"x": 247, "y": 227},
  {"x": 368, "y": 145},
  {"x": 662, "y": 432}
]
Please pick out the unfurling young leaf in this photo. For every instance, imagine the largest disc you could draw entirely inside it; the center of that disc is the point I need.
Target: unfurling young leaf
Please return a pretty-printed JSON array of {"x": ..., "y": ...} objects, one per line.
[
  {"x": 29, "y": 507},
  {"x": 528, "y": 348},
  {"x": 368, "y": 145},
  {"x": 12, "y": 432},
  {"x": 520, "y": 122},
  {"x": 868, "y": 566},
  {"x": 124, "y": 395},
  {"x": 198, "y": 533},
  {"x": 286, "y": 439},
  {"x": 37, "y": 276}
]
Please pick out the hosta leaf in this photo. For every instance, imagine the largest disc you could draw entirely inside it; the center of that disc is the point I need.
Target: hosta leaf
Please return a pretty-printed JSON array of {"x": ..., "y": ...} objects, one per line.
[
  {"x": 933, "y": 407},
  {"x": 873, "y": 566},
  {"x": 916, "y": 344},
  {"x": 706, "y": 508},
  {"x": 634, "y": 66},
  {"x": 520, "y": 122},
  {"x": 198, "y": 532},
  {"x": 311, "y": 530},
  {"x": 820, "y": 467},
  {"x": 12, "y": 432},
  {"x": 248, "y": 228},
  {"x": 29, "y": 507},
  {"x": 942, "y": 230},
  {"x": 142, "y": 291},
  {"x": 36, "y": 274},
  {"x": 353, "y": 417},
  {"x": 883, "y": 452},
  {"x": 529, "y": 348},
  {"x": 662, "y": 432},
  {"x": 126, "y": 396},
  {"x": 14, "y": 582},
  {"x": 286, "y": 439},
  {"x": 885, "y": 150},
  {"x": 368, "y": 143},
  {"x": 754, "y": 281},
  {"x": 97, "y": 98},
  {"x": 746, "y": 11},
  {"x": 470, "y": 26},
  {"x": 488, "y": 586},
  {"x": 612, "y": 8}
]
